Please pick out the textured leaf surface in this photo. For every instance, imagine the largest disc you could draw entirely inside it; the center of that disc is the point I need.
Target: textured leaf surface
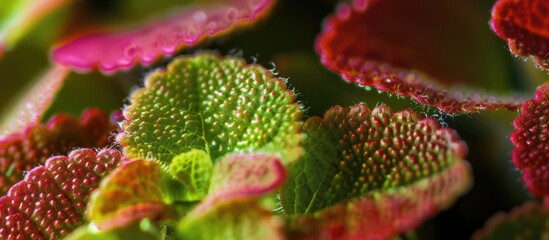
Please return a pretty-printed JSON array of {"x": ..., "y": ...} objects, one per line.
[
  {"x": 51, "y": 200},
  {"x": 243, "y": 176},
  {"x": 212, "y": 104},
  {"x": 21, "y": 152},
  {"x": 414, "y": 49},
  {"x": 525, "y": 26},
  {"x": 353, "y": 152},
  {"x": 387, "y": 213},
  {"x": 111, "y": 52},
  {"x": 529, "y": 221},
  {"x": 18, "y": 16},
  {"x": 193, "y": 170},
  {"x": 34, "y": 102},
  {"x": 130, "y": 193},
  {"x": 531, "y": 140}
]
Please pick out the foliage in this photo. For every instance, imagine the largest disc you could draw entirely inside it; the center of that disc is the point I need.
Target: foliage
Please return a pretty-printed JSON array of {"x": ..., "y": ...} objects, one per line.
[{"x": 208, "y": 145}]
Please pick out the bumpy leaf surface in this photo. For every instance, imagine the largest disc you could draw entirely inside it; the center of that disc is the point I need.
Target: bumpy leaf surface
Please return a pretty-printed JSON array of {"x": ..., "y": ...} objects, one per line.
[
  {"x": 51, "y": 200},
  {"x": 231, "y": 210},
  {"x": 529, "y": 221},
  {"x": 387, "y": 213},
  {"x": 111, "y": 52},
  {"x": 130, "y": 193},
  {"x": 216, "y": 105},
  {"x": 525, "y": 26},
  {"x": 355, "y": 151},
  {"x": 21, "y": 152},
  {"x": 18, "y": 16},
  {"x": 531, "y": 140},
  {"x": 30, "y": 107},
  {"x": 193, "y": 170},
  {"x": 387, "y": 171},
  {"x": 413, "y": 49}
]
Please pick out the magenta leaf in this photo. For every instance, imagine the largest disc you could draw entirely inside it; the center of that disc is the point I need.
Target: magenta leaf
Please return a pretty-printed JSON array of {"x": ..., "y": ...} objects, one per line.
[
  {"x": 29, "y": 108},
  {"x": 51, "y": 200},
  {"x": 22, "y": 152},
  {"x": 414, "y": 49},
  {"x": 529, "y": 221},
  {"x": 525, "y": 26},
  {"x": 115, "y": 51},
  {"x": 531, "y": 140}
]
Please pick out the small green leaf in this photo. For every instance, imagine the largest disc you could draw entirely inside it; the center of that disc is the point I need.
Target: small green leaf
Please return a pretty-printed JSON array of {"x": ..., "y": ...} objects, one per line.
[
  {"x": 193, "y": 169},
  {"x": 218, "y": 105},
  {"x": 353, "y": 152},
  {"x": 242, "y": 220}
]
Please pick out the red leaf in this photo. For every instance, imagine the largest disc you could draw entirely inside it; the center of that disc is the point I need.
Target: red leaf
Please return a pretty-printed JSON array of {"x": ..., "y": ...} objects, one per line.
[
  {"x": 411, "y": 48},
  {"x": 21, "y": 152},
  {"x": 524, "y": 25},
  {"x": 51, "y": 200},
  {"x": 112, "y": 52},
  {"x": 531, "y": 139}
]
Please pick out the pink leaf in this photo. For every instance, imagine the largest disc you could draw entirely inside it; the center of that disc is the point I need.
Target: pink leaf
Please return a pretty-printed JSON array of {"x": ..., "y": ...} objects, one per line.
[
  {"x": 21, "y": 152},
  {"x": 242, "y": 176},
  {"x": 415, "y": 49},
  {"x": 531, "y": 140},
  {"x": 525, "y": 26},
  {"x": 115, "y": 51},
  {"x": 30, "y": 107},
  {"x": 51, "y": 200}
]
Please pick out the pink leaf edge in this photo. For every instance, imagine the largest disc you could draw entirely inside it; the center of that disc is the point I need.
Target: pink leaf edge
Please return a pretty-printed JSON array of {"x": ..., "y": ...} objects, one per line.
[
  {"x": 116, "y": 51},
  {"x": 344, "y": 49}
]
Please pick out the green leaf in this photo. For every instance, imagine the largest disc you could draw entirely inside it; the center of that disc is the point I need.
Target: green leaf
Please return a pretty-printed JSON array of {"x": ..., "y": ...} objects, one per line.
[
  {"x": 219, "y": 105},
  {"x": 243, "y": 220},
  {"x": 193, "y": 169},
  {"x": 18, "y": 16},
  {"x": 529, "y": 221},
  {"x": 355, "y": 152},
  {"x": 88, "y": 232},
  {"x": 385, "y": 214},
  {"x": 130, "y": 193}
]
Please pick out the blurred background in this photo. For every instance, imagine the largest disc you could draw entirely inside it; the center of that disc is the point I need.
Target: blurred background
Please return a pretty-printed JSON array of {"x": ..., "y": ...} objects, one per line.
[{"x": 284, "y": 42}]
